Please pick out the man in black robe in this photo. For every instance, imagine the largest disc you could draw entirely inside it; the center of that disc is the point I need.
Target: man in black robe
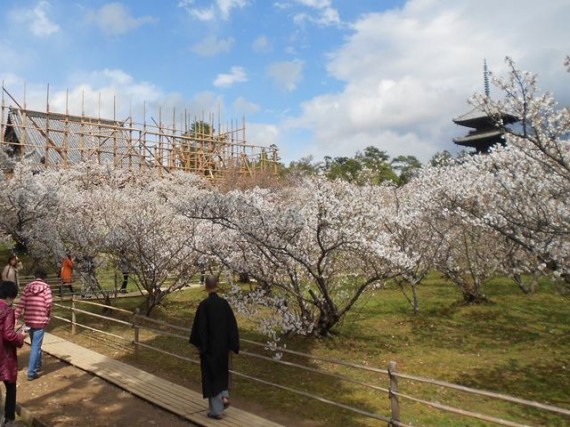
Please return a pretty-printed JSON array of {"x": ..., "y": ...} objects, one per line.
[{"x": 215, "y": 333}]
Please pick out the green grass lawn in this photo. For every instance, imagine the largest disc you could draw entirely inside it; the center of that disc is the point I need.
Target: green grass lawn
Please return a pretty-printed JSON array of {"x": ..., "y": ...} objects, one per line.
[{"x": 517, "y": 345}]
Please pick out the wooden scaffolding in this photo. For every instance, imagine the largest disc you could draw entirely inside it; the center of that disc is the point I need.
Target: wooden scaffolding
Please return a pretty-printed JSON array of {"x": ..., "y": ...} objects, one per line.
[{"x": 58, "y": 140}]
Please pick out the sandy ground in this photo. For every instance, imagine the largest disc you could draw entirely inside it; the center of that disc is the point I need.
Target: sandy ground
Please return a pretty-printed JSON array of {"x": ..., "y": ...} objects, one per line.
[{"x": 67, "y": 396}]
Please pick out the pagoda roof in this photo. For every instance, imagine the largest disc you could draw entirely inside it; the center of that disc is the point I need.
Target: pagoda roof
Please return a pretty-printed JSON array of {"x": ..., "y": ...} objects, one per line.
[
  {"x": 477, "y": 119},
  {"x": 486, "y": 137}
]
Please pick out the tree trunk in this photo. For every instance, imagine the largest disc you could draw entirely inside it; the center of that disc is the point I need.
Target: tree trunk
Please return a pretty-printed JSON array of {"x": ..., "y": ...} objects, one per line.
[
  {"x": 472, "y": 295},
  {"x": 153, "y": 299},
  {"x": 471, "y": 291},
  {"x": 416, "y": 302},
  {"x": 527, "y": 289},
  {"x": 328, "y": 318}
]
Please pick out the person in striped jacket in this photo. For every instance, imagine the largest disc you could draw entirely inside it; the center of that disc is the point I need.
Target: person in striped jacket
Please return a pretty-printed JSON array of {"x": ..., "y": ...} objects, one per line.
[{"x": 36, "y": 304}]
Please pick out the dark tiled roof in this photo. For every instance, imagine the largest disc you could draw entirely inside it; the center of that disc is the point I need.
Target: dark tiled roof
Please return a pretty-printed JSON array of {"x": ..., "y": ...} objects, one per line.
[{"x": 477, "y": 119}]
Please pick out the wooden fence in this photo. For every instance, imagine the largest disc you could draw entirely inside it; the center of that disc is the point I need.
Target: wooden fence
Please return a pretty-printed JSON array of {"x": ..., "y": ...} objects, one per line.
[{"x": 392, "y": 389}]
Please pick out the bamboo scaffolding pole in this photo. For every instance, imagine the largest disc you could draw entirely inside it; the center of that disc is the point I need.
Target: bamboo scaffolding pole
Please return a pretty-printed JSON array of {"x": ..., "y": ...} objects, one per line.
[
  {"x": 81, "y": 132},
  {"x": 203, "y": 146},
  {"x": 116, "y": 158},
  {"x": 66, "y": 132},
  {"x": 4, "y": 119}
]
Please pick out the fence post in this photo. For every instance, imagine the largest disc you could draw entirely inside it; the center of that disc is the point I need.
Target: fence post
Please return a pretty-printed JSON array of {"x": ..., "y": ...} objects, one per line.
[
  {"x": 73, "y": 318},
  {"x": 136, "y": 332},
  {"x": 115, "y": 285},
  {"x": 394, "y": 404}
]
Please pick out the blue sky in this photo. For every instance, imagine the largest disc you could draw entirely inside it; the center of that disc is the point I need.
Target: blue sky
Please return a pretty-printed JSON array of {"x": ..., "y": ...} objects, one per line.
[{"x": 315, "y": 77}]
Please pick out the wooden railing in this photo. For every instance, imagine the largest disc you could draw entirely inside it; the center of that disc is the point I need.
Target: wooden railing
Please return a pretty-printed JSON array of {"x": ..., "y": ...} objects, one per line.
[{"x": 137, "y": 323}]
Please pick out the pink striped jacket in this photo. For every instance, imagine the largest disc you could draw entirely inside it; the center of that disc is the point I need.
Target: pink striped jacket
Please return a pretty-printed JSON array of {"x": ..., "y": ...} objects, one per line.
[{"x": 36, "y": 304}]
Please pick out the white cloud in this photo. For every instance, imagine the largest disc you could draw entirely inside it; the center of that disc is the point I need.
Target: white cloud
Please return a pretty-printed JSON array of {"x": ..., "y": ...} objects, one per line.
[
  {"x": 407, "y": 72},
  {"x": 243, "y": 106},
  {"x": 261, "y": 45},
  {"x": 226, "y": 6},
  {"x": 326, "y": 15},
  {"x": 217, "y": 9},
  {"x": 212, "y": 46},
  {"x": 262, "y": 134},
  {"x": 286, "y": 74},
  {"x": 236, "y": 75},
  {"x": 37, "y": 19},
  {"x": 113, "y": 93},
  {"x": 115, "y": 19},
  {"x": 324, "y": 18},
  {"x": 317, "y": 4},
  {"x": 203, "y": 14},
  {"x": 13, "y": 57}
]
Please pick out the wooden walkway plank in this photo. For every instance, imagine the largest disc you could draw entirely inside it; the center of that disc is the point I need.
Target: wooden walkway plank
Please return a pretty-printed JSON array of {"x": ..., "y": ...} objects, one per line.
[{"x": 174, "y": 398}]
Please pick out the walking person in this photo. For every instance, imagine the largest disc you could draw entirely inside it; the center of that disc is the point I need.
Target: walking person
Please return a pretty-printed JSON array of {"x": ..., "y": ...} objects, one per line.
[
  {"x": 215, "y": 333},
  {"x": 11, "y": 340},
  {"x": 36, "y": 304},
  {"x": 202, "y": 267},
  {"x": 66, "y": 273},
  {"x": 11, "y": 270},
  {"x": 124, "y": 267}
]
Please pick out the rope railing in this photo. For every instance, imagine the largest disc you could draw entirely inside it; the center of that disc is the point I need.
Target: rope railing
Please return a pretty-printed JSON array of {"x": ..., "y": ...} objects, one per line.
[
  {"x": 299, "y": 392},
  {"x": 312, "y": 396},
  {"x": 138, "y": 344},
  {"x": 136, "y": 323},
  {"x": 500, "y": 396},
  {"x": 461, "y": 411},
  {"x": 106, "y": 307},
  {"x": 322, "y": 359},
  {"x": 94, "y": 329},
  {"x": 306, "y": 368}
]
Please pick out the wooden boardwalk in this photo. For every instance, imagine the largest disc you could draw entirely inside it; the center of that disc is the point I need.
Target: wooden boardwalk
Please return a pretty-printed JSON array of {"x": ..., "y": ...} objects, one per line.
[{"x": 165, "y": 394}]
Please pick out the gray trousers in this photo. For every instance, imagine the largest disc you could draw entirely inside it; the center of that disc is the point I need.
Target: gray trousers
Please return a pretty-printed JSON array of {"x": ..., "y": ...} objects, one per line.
[{"x": 216, "y": 403}]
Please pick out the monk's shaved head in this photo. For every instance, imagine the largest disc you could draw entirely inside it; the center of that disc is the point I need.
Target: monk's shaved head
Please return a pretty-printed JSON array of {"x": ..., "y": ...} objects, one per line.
[{"x": 211, "y": 283}]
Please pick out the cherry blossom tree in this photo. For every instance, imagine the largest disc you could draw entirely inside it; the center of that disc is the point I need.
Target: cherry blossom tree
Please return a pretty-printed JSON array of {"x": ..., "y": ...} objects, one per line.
[
  {"x": 314, "y": 249},
  {"x": 6, "y": 163},
  {"x": 528, "y": 201},
  {"x": 507, "y": 211},
  {"x": 102, "y": 212},
  {"x": 25, "y": 198},
  {"x": 157, "y": 243},
  {"x": 461, "y": 244},
  {"x": 410, "y": 224}
]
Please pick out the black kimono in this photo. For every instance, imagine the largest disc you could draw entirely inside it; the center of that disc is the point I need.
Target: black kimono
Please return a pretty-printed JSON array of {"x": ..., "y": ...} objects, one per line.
[{"x": 215, "y": 333}]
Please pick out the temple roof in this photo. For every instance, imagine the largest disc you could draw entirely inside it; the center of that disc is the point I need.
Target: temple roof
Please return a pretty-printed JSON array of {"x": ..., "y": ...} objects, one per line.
[
  {"x": 69, "y": 139},
  {"x": 491, "y": 136},
  {"x": 478, "y": 119}
]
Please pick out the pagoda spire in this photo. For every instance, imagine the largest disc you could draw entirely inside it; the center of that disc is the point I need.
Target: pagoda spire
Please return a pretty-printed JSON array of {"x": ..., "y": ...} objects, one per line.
[
  {"x": 484, "y": 131},
  {"x": 486, "y": 78}
]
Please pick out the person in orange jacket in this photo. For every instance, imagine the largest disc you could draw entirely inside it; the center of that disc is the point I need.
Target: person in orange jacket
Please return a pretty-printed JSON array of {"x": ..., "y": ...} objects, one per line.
[{"x": 66, "y": 273}]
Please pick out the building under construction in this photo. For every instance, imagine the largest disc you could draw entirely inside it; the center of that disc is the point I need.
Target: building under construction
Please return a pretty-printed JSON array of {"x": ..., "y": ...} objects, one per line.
[{"x": 59, "y": 140}]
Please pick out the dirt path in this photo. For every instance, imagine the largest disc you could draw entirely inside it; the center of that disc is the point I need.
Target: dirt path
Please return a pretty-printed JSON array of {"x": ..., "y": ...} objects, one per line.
[{"x": 65, "y": 396}]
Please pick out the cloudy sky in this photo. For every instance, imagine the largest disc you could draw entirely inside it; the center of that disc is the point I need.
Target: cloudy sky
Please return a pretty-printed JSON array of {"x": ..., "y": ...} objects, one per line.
[{"x": 315, "y": 77}]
